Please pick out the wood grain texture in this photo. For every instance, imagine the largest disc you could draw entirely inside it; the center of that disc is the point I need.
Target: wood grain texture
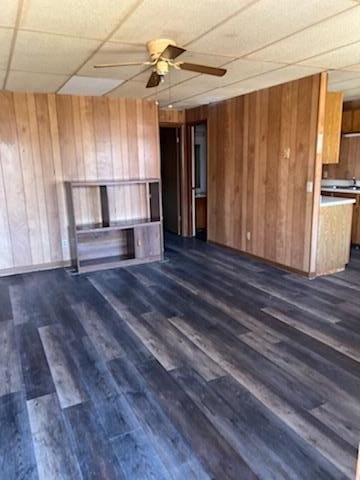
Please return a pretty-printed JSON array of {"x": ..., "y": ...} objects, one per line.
[
  {"x": 349, "y": 161},
  {"x": 16, "y": 446},
  {"x": 54, "y": 455},
  {"x": 262, "y": 153},
  {"x": 48, "y": 139},
  {"x": 177, "y": 375},
  {"x": 334, "y": 241},
  {"x": 355, "y": 230},
  {"x": 332, "y": 131},
  {"x": 170, "y": 117}
]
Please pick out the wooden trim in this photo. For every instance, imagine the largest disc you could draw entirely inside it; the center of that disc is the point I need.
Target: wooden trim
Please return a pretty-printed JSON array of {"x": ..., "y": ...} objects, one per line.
[
  {"x": 35, "y": 268},
  {"x": 280, "y": 266},
  {"x": 318, "y": 171}
]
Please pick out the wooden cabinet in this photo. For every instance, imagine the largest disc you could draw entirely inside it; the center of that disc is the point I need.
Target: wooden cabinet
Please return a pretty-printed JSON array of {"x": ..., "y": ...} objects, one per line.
[
  {"x": 346, "y": 126},
  {"x": 355, "y": 231},
  {"x": 332, "y": 127},
  {"x": 351, "y": 121},
  {"x": 333, "y": 249}
]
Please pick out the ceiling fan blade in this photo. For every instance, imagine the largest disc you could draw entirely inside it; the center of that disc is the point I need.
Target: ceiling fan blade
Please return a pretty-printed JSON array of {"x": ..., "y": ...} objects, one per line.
[
  {"x": 154, "y": 80},
  {"x": 193, "y": 67},
  {"x": 126, "y": 64},
  {"x": 171, "y": 52}
]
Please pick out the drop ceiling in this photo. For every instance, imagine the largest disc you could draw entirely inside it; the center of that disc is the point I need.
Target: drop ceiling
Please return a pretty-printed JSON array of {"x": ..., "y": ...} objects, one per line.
[{"x": 52, "y": 45}]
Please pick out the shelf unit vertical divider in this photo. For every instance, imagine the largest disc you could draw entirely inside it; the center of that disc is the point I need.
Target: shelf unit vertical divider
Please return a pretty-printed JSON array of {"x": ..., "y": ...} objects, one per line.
[{"x": 105, "y": 210}]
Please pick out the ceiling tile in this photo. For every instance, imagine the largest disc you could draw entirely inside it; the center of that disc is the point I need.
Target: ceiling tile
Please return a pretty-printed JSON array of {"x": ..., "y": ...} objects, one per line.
[
  {"x": 39, "y": 52},
  {"x": 78, "y": 85},
  {"x": 345, "y": 84},
  {"x": 352, "y": 94},
  {"x": 5, "y": 43},
  {"x": 340, "y": 76},
  {"x": 179, "y": 92},
  {"x": 115, "y": 53},
  {"x": 205, "y": 58},
  {"x": 265, "y": 22},
  {"x": 180, "y": 21},
  {"x": 34, "y": 82},
  {"x": 353, "y": 68},
  {"x": 82, "y": 18},
  {"x": 241, "y": 69},
  {"x": 210, "y": 97},
  {"x": 132, "y": 89},
  {"x": 203, "y": 83},
  {"x": 269, "y": 79},
  {"x": 330, "y": 34},
  {"x": 339, "y": 58},
  {"x": 8, "y": 14}
]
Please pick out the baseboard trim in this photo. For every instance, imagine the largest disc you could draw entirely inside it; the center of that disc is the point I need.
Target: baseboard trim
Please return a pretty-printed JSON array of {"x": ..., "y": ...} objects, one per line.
[
  {"x": 34, "y": 268},
  {"x": 264, "y": 260}
]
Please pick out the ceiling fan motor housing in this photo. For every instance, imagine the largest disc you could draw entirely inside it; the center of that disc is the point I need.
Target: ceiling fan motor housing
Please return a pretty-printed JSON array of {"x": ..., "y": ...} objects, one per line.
[
  {"x": 156, "y": 47},
  {"x": 162, "y": 67}
]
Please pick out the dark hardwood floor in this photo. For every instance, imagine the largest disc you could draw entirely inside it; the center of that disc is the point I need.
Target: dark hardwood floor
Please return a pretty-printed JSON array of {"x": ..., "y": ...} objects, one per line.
[{"x": 208, "y": 365}]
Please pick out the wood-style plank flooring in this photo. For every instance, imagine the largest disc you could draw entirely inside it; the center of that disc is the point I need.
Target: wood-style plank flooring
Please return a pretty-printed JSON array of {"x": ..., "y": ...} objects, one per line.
[{"x": 208, "y": 365}]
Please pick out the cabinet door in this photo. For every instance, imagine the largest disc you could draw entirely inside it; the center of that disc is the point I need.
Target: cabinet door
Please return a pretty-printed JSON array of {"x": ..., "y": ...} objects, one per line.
[
  {"x": 347, "y": 120},
  {"x": 332, "y": 127},
  {"x": 147, "y": 241},
  {"x": 356, "y": 121}
]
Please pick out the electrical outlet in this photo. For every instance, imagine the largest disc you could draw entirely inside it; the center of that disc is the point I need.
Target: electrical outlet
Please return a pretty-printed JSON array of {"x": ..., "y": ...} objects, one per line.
[
  {"x": 65, "y": 242},
  {"x": 248, "y": 235},
  {"x": 325, "y": 174}
]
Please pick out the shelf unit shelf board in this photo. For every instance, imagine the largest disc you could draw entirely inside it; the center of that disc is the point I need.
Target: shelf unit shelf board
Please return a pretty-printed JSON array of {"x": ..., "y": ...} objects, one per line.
[
  {"x": 122, "y": 225},
  {"x": 115, "y": 262}
]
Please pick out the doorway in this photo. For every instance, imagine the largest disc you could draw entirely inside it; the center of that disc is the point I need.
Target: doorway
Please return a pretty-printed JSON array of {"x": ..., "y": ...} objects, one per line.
[
  {"x": 170, "y": 151},
  {"x": 199, "y": 180}
]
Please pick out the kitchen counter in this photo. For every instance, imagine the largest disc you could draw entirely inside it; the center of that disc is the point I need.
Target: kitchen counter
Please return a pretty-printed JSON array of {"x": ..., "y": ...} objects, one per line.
[
  {"x": 335, "y": 201},
  {"x": 334, "y": 234},
  {"x": 341, "y": 190}
]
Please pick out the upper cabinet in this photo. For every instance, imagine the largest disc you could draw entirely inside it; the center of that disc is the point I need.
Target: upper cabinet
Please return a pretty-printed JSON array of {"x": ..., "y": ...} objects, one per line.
[
  {"x": 351, "y": 121},
  {"x": 332, "y": 127}
]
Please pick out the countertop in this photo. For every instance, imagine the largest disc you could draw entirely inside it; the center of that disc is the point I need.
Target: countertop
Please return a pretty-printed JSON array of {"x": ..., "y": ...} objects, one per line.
[
  {"x": 340, "y": 190},
  {"x": 334, "y": 201}
]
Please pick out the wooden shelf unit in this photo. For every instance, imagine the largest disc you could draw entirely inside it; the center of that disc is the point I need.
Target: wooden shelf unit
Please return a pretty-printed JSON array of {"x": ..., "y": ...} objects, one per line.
[{"x": 113, "y": 243}]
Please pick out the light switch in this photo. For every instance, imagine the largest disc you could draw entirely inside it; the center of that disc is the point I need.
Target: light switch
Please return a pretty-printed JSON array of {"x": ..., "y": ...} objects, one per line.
[{"x": 309, "y": 187}]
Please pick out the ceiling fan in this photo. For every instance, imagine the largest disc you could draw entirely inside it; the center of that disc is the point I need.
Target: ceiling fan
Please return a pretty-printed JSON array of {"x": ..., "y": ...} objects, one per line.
[{"x": 163, "y": 52}]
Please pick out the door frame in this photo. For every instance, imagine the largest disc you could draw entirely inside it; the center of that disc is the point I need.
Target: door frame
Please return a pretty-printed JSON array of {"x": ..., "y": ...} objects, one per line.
[
  {"x": 179, "y": 161},
  {"x": 190, "y": 137}
]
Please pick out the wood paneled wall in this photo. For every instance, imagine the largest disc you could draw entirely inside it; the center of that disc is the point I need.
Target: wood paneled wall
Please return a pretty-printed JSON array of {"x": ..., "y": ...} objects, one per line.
[
  {"x": 48, "y": 139},
  {"x": 262, "y": 153},
  {"x": 169, "y": 116},
  {"x": 349, "y": 161}
]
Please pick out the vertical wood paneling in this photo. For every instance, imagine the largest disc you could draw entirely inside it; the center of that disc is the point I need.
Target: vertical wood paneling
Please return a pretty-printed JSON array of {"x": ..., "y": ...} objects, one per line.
[
  {"x": 13, "y": 183},
  {"x": 29, "y": 179},
  {"x": 47, "y": 162},
  {"x": 48, "y": 139},
  {"x": 262, "y": 153}
]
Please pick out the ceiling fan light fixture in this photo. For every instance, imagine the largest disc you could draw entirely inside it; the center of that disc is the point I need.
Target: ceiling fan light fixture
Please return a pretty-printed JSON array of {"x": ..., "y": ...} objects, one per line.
[{"x": 162, "y": 53}]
